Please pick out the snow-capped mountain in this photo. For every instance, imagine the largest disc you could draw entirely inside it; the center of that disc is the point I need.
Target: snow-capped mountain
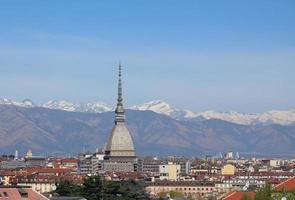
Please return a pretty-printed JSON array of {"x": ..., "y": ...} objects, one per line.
[
  {"x": 25, "y": 103},
  {"x": 283, "y": 117},
  {"x": 93, "y": 107},
  {"x": 61, "y": 105},
  {"x": 235, "y": 117},
  {"x": 162, "y": 107}
]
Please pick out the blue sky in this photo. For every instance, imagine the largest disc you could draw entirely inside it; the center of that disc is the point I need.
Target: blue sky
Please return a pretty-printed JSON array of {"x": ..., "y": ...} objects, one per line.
[{"x": 200, "y": 55}]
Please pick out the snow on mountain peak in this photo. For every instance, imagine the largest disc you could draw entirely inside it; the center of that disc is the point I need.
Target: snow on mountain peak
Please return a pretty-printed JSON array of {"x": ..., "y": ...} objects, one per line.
[
  {"x": 232, "y": 116},
  {"x": 283, "y": 117},
  {"x": 25, "y": 103},
  {"x": 163, "y": 107},
  {"x": 96, "y": 107},
  {"x": 157, "y": 106},
  {"x": 28, "y": 103},
  {"x": 60, "y": 105}
]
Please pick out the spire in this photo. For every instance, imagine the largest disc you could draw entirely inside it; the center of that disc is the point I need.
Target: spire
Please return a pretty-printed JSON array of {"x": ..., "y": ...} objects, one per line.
[
  {"x": 120, "y": 99},
  {"x": 120, "y": 116}
]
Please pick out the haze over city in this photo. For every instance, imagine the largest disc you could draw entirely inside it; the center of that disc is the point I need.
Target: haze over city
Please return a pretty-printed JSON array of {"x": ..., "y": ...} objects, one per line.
[{"x": 195, "y": 55}]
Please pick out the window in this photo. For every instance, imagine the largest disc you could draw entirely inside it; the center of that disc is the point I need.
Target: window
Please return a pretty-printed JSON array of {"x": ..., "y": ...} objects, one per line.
[{"x": 5, "y": 194}]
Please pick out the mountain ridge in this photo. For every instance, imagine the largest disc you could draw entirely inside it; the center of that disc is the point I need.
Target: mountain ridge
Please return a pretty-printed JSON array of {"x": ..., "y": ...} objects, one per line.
[
  {"x": 58, "y": 132},
  {"x": 283, "y": 117}
]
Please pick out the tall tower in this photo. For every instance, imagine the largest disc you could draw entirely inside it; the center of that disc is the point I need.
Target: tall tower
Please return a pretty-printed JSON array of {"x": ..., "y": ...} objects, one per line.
[{"x": 119, "y": 153}]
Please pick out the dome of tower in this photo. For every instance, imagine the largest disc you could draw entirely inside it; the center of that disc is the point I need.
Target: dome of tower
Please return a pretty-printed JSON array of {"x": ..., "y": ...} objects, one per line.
[{"x": 120, "y": 142}]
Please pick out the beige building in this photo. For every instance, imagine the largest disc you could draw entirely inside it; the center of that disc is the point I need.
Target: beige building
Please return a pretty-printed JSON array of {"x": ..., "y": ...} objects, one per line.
[
  {"x": 228, "y": 169},
  {"x": 40, "y": 187},
  {"x": 222, "y": 188},
  {"x": 169, "y": 172},
  {"x": 188, "y": 188}
]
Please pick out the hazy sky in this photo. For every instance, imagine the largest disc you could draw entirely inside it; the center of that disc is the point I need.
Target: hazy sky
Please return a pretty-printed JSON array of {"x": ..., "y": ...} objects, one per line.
[{"x": 200, "y": 55}]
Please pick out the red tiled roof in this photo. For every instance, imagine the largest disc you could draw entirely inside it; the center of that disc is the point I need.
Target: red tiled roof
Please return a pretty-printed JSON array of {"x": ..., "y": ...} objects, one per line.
[
  {"x": 238, "y": 195},
  {"x": 14, "y": 194},
  {"x": 69, "y": 160},
  {"x": 288, "y": 184}
]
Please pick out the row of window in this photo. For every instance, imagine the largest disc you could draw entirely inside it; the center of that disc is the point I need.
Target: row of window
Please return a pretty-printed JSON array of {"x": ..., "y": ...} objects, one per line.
[
  {"x": 202, "y": 189},
  {"x": 189, "y": 189}
]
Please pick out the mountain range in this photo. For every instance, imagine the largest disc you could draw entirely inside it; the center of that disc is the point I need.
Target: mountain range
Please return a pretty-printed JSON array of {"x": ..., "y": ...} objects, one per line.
[
  {"x": 58, "y": 132},
  {"x": 282, "y": 117}
]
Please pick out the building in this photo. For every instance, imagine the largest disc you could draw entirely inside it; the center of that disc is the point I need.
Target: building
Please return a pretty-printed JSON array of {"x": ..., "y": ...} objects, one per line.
[
  {"x": 149, "y": 165},
  {"x": 67, "y": 198},
  {"x": 119, "y": 153},
  {"x": 69, "y": 163},
  {"x": 85, "y": 165},
  {"x": 90, "y": 163},
  {"x": 223, "y": 188},
  {"x": 185, "y": 164},
  {"x": 229, "y": 155},
  {"x": 188, "y": 188},
  {"x": 29, "y": 153},
  {"x": 45, "y": 184},
  {"x": 20, "y": 193},
  {"x": 35, "y": 161},
  {"x": 228, "y": 169},
  {"x": 13, "y": 164},
  {"x": 169, "y": 172}
]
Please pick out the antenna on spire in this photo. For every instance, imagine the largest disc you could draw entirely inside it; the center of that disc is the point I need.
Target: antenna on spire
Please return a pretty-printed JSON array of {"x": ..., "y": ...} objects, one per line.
[
  {"x": 120, "y": 92},
  {"x": 120, "y": 117}
]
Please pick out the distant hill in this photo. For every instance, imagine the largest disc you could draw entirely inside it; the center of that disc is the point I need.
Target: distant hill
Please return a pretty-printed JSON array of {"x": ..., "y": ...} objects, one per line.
[{"x": 60, "y": 132}]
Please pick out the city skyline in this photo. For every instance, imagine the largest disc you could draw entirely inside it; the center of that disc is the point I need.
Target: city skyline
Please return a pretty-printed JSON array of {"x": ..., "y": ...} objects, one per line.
[{"x": 198, "y": 56}]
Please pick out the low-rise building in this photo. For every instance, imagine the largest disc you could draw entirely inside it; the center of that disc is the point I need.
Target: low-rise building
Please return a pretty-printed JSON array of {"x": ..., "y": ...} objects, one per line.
[
  {"x": 20, "y": 193},
  {"x": 149, "y": 165},
  {"x": 169, "y": 172},
  {"x": 188, "y": 188},
  {"x": 45, "y": 184}
]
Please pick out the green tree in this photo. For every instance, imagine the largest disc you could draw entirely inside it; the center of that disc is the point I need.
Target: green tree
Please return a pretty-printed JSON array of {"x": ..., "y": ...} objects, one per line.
[
  {"x": 92, "y": 188},
  {"x": 174, "y": 194},
  {"x": 264, "y": 193},
  {"x": 66, "y": 188}
]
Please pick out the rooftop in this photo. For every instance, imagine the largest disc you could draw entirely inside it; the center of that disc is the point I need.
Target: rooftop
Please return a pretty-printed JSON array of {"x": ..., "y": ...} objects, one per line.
[
  {"x": 238, "y": 195},
  {"x": 14, "y": 193}
]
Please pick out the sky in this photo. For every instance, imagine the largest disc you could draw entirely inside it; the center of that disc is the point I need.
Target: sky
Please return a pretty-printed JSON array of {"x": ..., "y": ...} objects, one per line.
[{"x": 200, "y": 55}]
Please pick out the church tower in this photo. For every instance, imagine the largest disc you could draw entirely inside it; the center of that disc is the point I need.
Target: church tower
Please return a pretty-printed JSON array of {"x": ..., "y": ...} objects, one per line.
[{"x": 119, "y": 153}]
